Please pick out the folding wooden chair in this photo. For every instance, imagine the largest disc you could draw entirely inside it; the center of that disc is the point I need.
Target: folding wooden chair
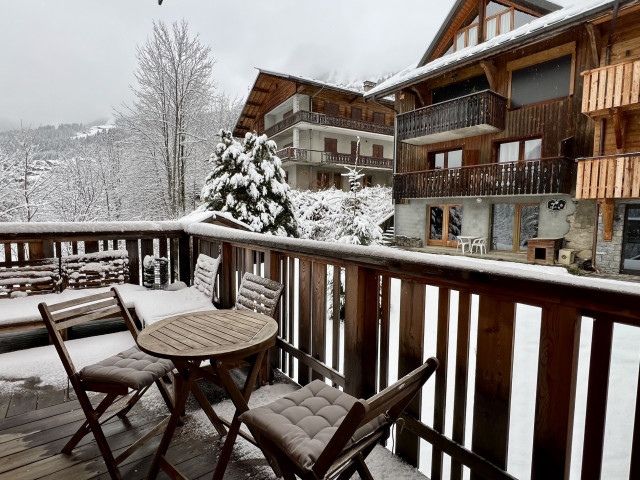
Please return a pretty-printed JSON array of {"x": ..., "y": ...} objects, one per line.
[
  {"x": 339, "y": 431},
  {"x": 259, "y": 294},
  {"x": 131, "y": 370}
]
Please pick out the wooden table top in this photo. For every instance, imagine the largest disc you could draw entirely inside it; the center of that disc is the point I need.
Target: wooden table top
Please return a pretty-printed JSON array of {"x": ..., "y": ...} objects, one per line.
[{"x": 209, "y": 334}]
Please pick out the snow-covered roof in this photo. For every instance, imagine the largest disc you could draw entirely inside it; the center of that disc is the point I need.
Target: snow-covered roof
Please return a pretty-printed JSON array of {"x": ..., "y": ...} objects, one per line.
[
  {"x": 351, "y": 88},
  {"x": 561, "y": 19}
]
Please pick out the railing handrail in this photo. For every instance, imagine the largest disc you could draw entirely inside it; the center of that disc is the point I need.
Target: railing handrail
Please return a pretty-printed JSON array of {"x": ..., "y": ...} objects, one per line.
[
  {"x": 332, "y": 157},
  {"x": 529, "y": 160},
  {"x": 613, "y": 155},
  {"x": 454, "y": 100},
  {"x": 607, "y": 67}
]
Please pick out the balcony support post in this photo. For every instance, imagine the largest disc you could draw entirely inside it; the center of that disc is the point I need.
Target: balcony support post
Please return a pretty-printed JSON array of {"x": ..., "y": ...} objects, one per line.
[
  {"x": 619, "y": 124},
  {"x": 607, "y": 207}
]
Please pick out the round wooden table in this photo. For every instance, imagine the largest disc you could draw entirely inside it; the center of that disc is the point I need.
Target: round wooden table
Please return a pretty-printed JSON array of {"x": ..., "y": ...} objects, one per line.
[{"x": 226, "y": 337}]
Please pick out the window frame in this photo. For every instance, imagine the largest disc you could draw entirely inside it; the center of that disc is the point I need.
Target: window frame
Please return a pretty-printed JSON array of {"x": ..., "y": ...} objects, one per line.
[
  {"x": 541, "y": 57},
  {"x": 521, "y": 141},
  {"x": 431, "y": 158}
]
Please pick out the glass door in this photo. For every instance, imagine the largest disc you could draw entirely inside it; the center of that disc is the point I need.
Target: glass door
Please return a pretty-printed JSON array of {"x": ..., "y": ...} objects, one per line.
[
  {"x": 444, "y": 223},
  {"x": 631, "y": 247},
  {"x": 513, "y": 225}
]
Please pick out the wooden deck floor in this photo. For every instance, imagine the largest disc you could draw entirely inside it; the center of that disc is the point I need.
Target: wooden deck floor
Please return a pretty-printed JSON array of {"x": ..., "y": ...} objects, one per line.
[{"x": 35, "y": 423}]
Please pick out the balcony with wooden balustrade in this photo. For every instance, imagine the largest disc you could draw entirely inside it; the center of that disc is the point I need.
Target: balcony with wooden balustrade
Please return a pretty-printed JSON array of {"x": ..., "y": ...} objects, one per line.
[
  {"x": 313, "y": 118},
  {"x": 528, "y": 177},
  {"x": 467, "y": 116},
  {"x": 611, "y": 87},
  {"x": 391, "y": 299},
  {"x": 291, "y": 154},
  {"x": 609, "y": 177}
]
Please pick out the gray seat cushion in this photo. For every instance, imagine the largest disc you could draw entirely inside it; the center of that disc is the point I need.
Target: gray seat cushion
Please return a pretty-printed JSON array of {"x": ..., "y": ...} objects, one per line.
[
  {"x": 131, "y": 368},
  {"x": 302, "y": 423}
]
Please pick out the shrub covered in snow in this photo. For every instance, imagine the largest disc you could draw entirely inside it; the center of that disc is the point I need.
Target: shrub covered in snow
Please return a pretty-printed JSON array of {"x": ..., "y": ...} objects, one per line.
[
  {"x": 248, "y": 182},
  {"x": 328, "y": 215}
]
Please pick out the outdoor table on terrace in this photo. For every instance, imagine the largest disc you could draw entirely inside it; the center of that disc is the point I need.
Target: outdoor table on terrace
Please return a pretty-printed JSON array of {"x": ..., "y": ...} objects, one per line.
[
  {"x": 466, "y": 240},
  {"x": 226, "y": 337}
]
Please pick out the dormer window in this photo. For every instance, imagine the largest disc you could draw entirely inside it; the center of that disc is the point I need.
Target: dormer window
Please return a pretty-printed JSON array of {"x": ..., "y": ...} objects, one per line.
[
  {"x": 467, "y": 36},
  {"x": 499, "y": 22}
]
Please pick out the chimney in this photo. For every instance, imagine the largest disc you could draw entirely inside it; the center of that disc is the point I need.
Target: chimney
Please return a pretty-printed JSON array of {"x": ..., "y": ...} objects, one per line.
[{"x": 368, "y": 85}]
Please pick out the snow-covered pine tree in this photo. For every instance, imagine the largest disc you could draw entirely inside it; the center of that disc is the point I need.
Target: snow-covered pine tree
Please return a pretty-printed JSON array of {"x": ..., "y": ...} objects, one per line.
[{"x": 247, "y": 181}]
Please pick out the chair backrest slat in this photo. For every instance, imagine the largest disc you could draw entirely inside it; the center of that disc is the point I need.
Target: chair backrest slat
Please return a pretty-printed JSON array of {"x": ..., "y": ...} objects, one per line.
[
  {"x": 94, "y": 315},
  {"x": 83, "y": 308},
  {"x": 259, "y": 294},
  {"x": 204, "y": 275},
  {"x": 56, "y": 307}
]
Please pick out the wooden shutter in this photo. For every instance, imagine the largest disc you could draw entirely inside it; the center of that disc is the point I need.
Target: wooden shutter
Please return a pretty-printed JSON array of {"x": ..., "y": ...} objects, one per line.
[
  {"x": 356, "y": 113},
  {"x": 331, "y": 109},
  {"x": 378, "y": 117},
  {"x": 378, "y": 151},
  {"x": 367, "y": 180},
  {"x": 354, "y": 147},
  {"x": 331, "y": 145},
  {"x": 337, "y": 180}
]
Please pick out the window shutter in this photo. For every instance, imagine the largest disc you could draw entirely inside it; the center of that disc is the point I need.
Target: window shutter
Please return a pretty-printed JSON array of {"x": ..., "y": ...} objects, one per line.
[
  {"x": 378, "y": 117},
  {"x": 331, "y": 109},
  {"x": 470, "y": 157},
  {"x": 354, "y": 147},
  {"x": 356, "y": 113},
  {"x": 337, "y": 180},
  {"x": 378, "y": 151},
  {"x": 331, "y": 145}
]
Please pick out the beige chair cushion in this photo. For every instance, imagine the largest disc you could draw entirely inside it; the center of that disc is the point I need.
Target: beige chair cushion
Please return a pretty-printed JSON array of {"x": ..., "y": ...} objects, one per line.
[
  {"x": 131, "y": 368},
  {"x": 302, "y": 423}
]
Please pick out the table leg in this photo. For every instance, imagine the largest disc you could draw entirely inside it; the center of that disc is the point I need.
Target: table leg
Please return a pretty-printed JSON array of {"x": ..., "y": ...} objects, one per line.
[
  {"x": 240, "y": 400},
  {"x": 182, "y": 389}
]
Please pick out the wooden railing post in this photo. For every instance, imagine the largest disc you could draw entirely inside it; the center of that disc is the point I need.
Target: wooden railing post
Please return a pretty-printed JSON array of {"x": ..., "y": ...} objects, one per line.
[
  {"x": 411, "y": 354},
  {"x": 494, "y": 369},
  {"x": 184, "y": 259},
  {"x": 134, "y": 261},
  {"x": 555, "y": 397},
  {"x": 227, "y": 276},
  {"x": 361, "y": 331},
  {"x": 304, "y": 317}
]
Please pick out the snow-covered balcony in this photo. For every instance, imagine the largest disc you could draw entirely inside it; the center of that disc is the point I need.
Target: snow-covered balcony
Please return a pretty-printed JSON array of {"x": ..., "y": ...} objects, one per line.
[
  {"x": 526, "y": 177},
  {"x": 529, "y": 354},
  {"x": 302, "y": 155},
  {"x": 328, "y": 122},
  {"x": 467, "y": 116}
]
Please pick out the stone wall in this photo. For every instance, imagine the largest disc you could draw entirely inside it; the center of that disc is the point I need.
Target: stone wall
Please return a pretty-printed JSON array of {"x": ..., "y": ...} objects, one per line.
[
  {"x": 582, "y": 224},
  {"x": 402, "y": 241},
  {"x": 608, "y": 254}
]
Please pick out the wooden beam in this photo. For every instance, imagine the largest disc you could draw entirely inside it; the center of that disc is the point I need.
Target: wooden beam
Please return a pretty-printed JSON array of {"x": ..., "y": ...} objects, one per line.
[
  {"x": 491, "y": 72},
  {"x": 607, "y": 207},
  {"x": 250, "y": 117},
  {"x": 594, "y": 42},
  {"x": 415, "y": 90},
  {"x": 253, "y": 104},
  {"x": 262, "y": 90},
  {"x": 619, "y": 124}
]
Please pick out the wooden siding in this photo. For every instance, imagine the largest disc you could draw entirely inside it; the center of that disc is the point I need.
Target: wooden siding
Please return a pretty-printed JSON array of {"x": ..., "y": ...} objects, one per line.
[
  {"x": 609, "y": 177},
  {"x": 553, "y": 121}
]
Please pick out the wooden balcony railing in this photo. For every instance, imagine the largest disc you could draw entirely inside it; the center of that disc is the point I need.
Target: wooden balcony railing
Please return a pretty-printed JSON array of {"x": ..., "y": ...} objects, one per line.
[
  {"x": 318, "y": 156},
  {"x": 611, "y": 87},
  {"x": 608, "y": 177},
  {"x": 529, "y": 177},
  {"x": 474, "y": 114},
  {"x": 382, "y": 337},
  {"x": 328, "y": 120}
]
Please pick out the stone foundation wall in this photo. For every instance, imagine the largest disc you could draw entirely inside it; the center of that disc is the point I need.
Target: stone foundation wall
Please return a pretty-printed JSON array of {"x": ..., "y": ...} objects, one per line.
[
  {"x": 402, "y": 241},
  {"x": 609, "y": 254},
  {"x": 581, "y": 227}
]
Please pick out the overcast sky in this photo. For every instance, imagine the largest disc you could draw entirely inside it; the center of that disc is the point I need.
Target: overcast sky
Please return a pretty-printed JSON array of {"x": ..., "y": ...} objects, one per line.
[{"x": 67, "y": 61}]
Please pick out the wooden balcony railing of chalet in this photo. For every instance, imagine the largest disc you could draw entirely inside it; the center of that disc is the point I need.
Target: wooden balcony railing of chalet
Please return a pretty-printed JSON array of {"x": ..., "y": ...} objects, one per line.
[
  {"x": 607, "y": 177},
  {"x": 304, "y": 155},
  {"x": 485, "y": 110},
  {"x": 387, "y": 291},
  {"x": 611, "y": 87},
  {"x": 329, "y": 120},
  {"x": 529, "y": 177}
]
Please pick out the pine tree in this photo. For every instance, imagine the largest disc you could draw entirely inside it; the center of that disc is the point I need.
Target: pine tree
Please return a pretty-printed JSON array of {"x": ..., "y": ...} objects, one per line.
[{"x": 247, "y": 181}]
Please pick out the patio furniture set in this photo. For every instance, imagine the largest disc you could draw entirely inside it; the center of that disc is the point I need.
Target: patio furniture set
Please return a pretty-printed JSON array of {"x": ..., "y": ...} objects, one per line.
[
  {"x": 471, "y": 243},
  {"x": 316, "y": 432}
]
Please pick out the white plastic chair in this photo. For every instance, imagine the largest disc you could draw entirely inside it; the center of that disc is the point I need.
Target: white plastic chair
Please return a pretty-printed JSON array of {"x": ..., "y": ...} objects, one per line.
[
  {"x": 459, "y": 244},
  {"x": 480, "y": 244}
]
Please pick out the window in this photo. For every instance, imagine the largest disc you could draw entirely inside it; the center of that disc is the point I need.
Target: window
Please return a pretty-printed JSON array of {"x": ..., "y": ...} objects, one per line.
[
  {"x": 459, "y": 89},
  {"x": 467, "y": 36},
  {"x": 326, "y": 180},
  {"x": 367, "y": 181},
  {"x": 540, "y": 82},
  {"x": 331, "y": 145},
  {"x": 448, "y": 159},
  {"x": 441, "y": 219},
  {"x": 331, "y": 109},
  {"x": 356, "y": 113},
  {"x": 378, "y": 117},
  {"x": 519, "y": 150},
  {"x": 378, "y": 151},
  {"x": 513, "y": 225},
  {"x": 631, "y": 241}
]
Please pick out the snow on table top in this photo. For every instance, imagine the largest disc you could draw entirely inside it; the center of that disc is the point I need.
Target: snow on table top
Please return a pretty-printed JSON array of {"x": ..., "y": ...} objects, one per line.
[
  {"x": 535, "y": 27},
  {"x": 14, "y": 311}
]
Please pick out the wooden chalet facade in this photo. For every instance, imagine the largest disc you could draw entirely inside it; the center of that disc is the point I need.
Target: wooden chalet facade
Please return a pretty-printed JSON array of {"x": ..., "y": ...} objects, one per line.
[
  {"x": 611, "y": 174},
  {"x": 316, "y": 127},
  {"x": 489, "y": 125}
]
